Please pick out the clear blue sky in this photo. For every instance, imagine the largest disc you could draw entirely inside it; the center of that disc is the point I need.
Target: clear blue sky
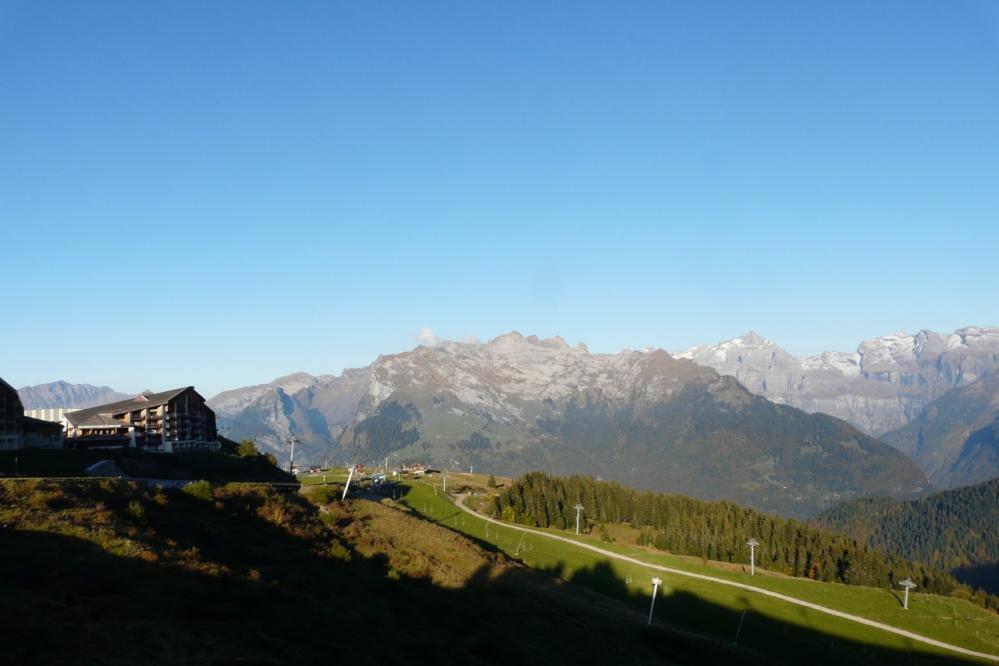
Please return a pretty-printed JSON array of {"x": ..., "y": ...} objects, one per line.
[{"x": 219, "y": 193}]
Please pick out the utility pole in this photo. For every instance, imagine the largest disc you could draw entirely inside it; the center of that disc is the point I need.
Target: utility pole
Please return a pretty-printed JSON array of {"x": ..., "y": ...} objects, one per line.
[
  {"x": 579, "y": 509},
  {"x": 444, "y": 472},
  {"x": 347, "y": 487},
  {"x": 752, "y": 543},
  {"x": 908, "y": 585},
  {"x": 656, "y": 582},
  {"x": 291, "y": 462}
]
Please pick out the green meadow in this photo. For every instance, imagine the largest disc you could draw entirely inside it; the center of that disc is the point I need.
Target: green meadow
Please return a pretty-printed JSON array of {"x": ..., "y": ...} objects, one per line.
[{"x": 772, "y": 626}]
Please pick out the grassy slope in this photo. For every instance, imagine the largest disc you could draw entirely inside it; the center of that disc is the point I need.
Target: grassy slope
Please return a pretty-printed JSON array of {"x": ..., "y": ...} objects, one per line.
[
  {"x": 211, "y": 466},
  {"x": 702, "y": 606},
  {"x": 110, "y": 572}
]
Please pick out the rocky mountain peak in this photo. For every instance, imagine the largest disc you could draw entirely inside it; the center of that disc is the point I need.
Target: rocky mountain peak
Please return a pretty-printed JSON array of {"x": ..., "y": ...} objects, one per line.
[
  {"x": 880, "y": 387},
  {"x": 513, "y": 341},
  {"x": 752, "y": 338},
  {"x": 507, "y": 340}
]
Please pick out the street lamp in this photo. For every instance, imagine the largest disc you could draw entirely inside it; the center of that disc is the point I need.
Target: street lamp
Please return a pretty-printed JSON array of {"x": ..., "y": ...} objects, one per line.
[
  {"x": 908, "y": 585},
  {"x": 579, "y": 509},
  {"x": 656, "y": 582},
  {"x": 752, "y": 543}
]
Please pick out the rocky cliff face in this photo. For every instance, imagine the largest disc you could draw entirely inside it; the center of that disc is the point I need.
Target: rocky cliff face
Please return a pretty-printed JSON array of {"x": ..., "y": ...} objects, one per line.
[
  {"x": 955, "y": 439},
  {"x": 882, "y": 386},
  {"x": 312, "y": 409},
  {"x": 65, "y": 395},
  {"x": 520, "y": 403},
  {"x": 646, "y": 419}
]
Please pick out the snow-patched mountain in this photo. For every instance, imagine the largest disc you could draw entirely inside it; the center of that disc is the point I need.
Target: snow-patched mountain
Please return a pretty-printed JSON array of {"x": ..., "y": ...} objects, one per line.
[
  {"x": 62, "y": 394},
  {"x": 880, "y": 387},
  {"x": 519, "y": 403}
]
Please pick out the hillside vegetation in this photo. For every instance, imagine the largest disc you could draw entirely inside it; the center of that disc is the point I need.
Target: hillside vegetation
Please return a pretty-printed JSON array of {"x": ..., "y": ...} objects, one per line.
[
  {"x": 788, "y": 632},
  {"x": 956, "y": 530},
  {"x": 110, "y": 572},
  {"x": 719, "y": 531},
  {"x": 955, "y": 439}
]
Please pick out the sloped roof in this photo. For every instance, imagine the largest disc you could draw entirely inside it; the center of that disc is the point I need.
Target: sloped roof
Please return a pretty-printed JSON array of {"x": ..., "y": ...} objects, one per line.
[
  {"x": 14, "y": 392},
  {"x": 35, "y": 425},
  {"x": 101, "y": 414}
]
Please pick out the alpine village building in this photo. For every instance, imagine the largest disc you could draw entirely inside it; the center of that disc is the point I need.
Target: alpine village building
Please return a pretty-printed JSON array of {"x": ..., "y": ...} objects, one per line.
[
  {"x": 18, "y": 431},
  {"x": 168, "y": 422}
]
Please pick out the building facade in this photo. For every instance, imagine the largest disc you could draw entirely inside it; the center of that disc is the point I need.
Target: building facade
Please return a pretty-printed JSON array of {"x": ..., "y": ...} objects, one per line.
[
  {"x": 170, "y": 421},
  {"x": 11, "y": 412},
  {"x": 18, "y": 431},
  {"x": 57, "y": 414}
]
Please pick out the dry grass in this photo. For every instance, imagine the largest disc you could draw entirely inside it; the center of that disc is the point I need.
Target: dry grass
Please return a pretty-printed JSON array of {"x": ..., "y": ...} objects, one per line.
[{"x": 414, "y": 547}]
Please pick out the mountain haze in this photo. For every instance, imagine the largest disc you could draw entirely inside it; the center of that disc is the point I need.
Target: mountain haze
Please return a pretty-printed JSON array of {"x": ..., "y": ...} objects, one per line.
[
  {"x": 955, "y": 439},
  {"x": 313, "y": 409},
  {"x": 519, "y": 403},
  {"x": 880, "y": 387},
  {"x": 62, "y": 394}
]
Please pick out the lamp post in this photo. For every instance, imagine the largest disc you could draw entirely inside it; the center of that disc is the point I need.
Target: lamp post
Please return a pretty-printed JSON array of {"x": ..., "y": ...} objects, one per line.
[
  {"x": 656, "y": 582},
  {"x": 752, "y": 543},
  {"x": 908, "y": 585},
  {"x": 579, "y": 509}
]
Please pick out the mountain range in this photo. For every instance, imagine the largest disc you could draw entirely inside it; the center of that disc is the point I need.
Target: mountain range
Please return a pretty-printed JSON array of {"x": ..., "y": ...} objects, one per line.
[
  {"x": 742, "y": 419},
  {"x": 880, "y": 387},
  {"x": 955, "y": 439},
  {"x": 519, "y": 403},
  {"x": 66, "y": 395}
]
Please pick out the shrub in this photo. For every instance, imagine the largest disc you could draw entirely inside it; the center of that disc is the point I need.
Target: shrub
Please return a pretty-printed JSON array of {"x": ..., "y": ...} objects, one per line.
[
  {"x": 247, "y": 449},
  {"x": 339, "y": 552},
  {"x": 491, "y": 482},
  {"x": 135, "y": 510},
  {"x": 323, "y": 495},
  {"x": 201, "y": 490},
  {"x": 605, "y": 533}
]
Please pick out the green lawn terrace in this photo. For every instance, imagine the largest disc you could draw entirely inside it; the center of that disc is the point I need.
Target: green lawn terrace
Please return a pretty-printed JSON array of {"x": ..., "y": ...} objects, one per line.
[{"x": 769, "y": 625}]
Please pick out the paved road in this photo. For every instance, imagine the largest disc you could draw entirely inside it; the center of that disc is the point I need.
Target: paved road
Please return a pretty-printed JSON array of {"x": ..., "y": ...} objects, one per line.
[{"x": 460, "y": 503}]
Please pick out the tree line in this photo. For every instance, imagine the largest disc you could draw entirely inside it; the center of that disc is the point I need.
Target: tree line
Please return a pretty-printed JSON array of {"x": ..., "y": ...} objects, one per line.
[
  {"x": 719, "y": 531},
  {"x": 950, "y": 530}
]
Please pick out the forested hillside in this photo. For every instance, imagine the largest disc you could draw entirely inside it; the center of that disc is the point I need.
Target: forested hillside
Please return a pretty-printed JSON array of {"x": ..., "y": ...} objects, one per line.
[
  {"x": 719, "y": 531},
  {"x": 956, "y": 530},
  {"x": 956, "y": 438}
]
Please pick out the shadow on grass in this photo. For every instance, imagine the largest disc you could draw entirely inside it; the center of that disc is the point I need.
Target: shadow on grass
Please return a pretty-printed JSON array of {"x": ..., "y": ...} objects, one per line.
[
  {"x": 68, "y": 600},
  {"x": 235, "y": 580},
  {"x": 748, "y": 627}
]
